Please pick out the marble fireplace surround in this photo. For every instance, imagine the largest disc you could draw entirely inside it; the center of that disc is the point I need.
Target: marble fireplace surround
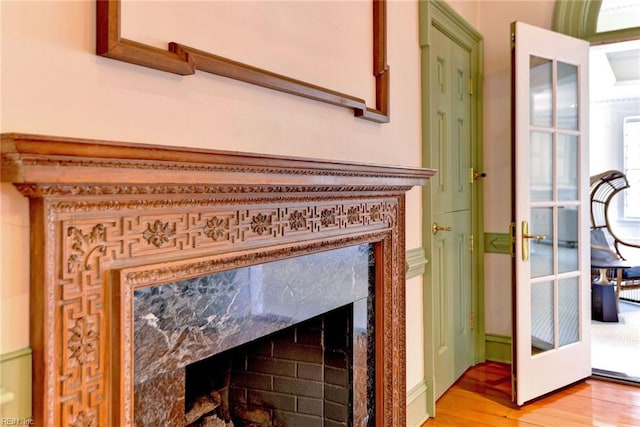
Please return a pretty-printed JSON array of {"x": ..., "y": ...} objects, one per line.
[{"x": 99, "y": 209}]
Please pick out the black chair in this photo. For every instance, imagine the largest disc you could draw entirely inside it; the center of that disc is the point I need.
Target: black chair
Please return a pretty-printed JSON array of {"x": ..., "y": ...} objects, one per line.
[{"x": 605, "y": 244}]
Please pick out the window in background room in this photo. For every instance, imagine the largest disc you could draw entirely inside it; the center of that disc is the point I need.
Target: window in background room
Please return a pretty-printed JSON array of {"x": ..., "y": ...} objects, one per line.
[
  {"x": 618, "y": 15},
  {"x": 631, "y": 210}
]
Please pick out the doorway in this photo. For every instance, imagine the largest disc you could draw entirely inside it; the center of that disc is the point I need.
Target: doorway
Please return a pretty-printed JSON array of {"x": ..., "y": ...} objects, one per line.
[
  {"x": 451, "y": 98},
  {"x": 615, "y": 145}
]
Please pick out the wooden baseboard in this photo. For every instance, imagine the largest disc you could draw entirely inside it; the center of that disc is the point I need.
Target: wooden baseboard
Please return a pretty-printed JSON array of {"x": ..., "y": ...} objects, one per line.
[
  {"x": 498, "y": 348},
  {"x": 417, "y": 405}
]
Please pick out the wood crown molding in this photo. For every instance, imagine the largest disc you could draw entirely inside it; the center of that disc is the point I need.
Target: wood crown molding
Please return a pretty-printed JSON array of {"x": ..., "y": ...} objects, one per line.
[
  {"x": 103, "y": 165},
  {"x": 185, "y": 60}
]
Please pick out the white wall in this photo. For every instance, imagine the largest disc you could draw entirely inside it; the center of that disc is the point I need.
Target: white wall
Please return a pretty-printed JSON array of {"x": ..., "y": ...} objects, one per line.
[
  {"x": 494, "y": 22},
  {"x": 467, "y": 9},
  {"x": 54, "y": 84}
]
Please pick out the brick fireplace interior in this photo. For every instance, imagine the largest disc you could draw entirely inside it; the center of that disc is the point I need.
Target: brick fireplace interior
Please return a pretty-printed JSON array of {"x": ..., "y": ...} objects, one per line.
[
  {"x": 123, "y": 235},
  {"x": 303, "y": 375}
]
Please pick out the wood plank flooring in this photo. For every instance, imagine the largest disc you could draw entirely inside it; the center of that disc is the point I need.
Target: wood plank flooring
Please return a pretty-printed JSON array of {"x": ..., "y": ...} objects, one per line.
[{"x": 482, "y": 397}]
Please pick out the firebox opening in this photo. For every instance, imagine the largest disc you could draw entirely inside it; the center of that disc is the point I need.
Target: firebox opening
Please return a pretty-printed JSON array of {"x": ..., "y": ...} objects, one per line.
[
  {"x": 285, "y": 343},
  {"x": 300, "y": 376}
]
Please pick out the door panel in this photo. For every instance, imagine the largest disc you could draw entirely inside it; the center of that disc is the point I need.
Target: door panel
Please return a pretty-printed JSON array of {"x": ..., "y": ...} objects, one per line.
[
  {"x": 452, "y": 285},
  {"x": 551, "y": 225},
  {"x": 441, "y": 146},
  {"x": 451, "y": 129},
  {"x": 462, "y": 292},
  {"x": 461, "y": 137}
]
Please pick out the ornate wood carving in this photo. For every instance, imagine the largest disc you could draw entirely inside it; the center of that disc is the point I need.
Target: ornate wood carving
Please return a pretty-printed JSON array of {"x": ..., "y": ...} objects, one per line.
[
  {"x": 99, "y": 207},
  {"x": 185, "y": 60}
]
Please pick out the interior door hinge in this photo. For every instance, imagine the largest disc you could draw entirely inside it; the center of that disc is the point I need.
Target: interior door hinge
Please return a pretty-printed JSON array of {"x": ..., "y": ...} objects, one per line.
[
  {"x": 471, "y": 86},
  {"x": 474, "y": 175},
  {"x": 472, "y": 322},
  {"x": 471, "y": 243}
]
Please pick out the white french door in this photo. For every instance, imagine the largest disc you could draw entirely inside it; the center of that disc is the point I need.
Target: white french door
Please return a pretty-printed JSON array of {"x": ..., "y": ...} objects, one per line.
[{"x": 551, "y": 292}]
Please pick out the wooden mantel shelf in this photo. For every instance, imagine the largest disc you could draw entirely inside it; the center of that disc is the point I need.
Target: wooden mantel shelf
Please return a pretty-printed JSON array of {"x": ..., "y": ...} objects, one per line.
[
  {"x": 54, "y": 160},
  {"x": 102, "y": 211}
]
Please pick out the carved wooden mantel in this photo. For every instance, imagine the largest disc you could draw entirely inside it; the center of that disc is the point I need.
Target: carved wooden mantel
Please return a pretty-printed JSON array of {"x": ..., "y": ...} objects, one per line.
[{"x": 98, "y": 208}]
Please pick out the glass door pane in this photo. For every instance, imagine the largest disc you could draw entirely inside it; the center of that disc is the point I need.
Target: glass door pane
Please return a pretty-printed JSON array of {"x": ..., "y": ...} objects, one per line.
[
  {"x": 541, "y": 249},
  {"x": 541, "y": 172},
  {"x": 567, "y": 167},
  {"x": 542, "y": 317},
  {"x": 541, "y": 102},
  {"x": 568, "y": 239},
  {"x": 568, "y": 311},
  {"x": 567, "y": 111}
]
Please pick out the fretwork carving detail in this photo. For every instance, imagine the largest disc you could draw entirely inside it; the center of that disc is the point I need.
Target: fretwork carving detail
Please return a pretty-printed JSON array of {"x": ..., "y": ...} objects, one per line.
[{"x": 91, "y": 245}]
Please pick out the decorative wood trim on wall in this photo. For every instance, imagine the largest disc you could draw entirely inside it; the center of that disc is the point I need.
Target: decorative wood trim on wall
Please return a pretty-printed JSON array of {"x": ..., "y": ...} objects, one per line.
[
  {"x": 416, "y": 262},
  {"x": 185, "y": 60},
  {"x": 101, "y": 207}
]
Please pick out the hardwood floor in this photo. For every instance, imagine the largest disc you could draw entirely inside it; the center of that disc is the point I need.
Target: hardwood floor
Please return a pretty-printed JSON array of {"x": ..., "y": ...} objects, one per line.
[{"x": 482, "y": 397}]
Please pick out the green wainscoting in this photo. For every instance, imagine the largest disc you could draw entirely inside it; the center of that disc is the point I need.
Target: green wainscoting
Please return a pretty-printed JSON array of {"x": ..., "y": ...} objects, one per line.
[
  {"x": 498, "y": 348},
  {"x": 497, "y": 243},
  {"x": 416, "y": 262},
  {"x": 15, "y": 385}
]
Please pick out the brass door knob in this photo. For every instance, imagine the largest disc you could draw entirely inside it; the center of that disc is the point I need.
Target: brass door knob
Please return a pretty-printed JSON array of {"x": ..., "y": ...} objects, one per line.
[
  {"x": 525, "y": 237},
  {"x": 534, "y": 236},
  {"x": 435, "y": 228}
]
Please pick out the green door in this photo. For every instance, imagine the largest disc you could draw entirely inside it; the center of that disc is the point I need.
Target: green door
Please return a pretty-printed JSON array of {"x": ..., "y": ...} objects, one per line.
[
  {"x": 451, "y": 65},
  {"x": 451, "y": 206}
]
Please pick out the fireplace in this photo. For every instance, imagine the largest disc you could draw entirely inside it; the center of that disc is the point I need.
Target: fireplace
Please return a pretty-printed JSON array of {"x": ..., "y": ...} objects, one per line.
[
  {"x": 115, "y": 223},
  {"x": 284, "y": 328}
]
